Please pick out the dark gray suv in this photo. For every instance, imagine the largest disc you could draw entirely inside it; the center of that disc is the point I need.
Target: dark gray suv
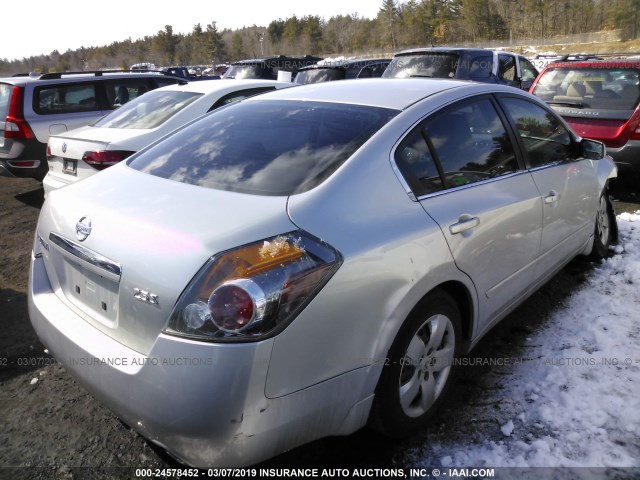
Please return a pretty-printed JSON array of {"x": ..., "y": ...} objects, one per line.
[
  {"x": 477, "y": 64},
  {"x": 34, "y": 107}
]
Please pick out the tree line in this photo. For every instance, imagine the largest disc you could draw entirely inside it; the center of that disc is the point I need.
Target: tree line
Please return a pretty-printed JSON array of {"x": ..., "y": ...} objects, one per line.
[{"x": 398, "y": 24}]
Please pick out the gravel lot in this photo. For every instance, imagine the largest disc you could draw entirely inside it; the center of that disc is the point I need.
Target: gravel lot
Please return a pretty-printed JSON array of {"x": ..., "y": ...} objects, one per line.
[{"x": 49, "y": 423}]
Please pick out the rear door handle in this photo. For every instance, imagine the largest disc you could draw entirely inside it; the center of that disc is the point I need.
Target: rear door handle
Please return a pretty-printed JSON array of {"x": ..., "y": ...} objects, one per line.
[
  {"x": 465, "y": 222},
  {"x": 552, "y": 197}
]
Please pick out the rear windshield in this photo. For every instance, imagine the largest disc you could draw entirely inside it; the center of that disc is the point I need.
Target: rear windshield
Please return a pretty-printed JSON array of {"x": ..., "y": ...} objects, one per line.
[
  {"x": 318, "y": 75},
  {"x": 248, "y": 71},
  {"x": 148, "y": 111},
  {"x": 598, "y": 87},
  {"x": 264, "y": 147},
  {"x": 436, "y": 65}
]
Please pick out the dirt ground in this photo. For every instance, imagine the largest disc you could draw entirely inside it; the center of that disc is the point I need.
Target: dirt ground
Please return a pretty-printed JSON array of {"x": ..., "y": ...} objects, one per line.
[{"x": 49, "y": 423}]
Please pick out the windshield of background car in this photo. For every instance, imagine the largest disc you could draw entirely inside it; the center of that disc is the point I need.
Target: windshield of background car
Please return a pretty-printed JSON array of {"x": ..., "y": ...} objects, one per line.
[
  {"x": 318, "y": 75},
  {"x": 598, "y": 87},
  {"x": 246, "y": 71},
  {"x": 264, "y": 147},
  {"x": 148, "y": 111},
  {"x": 438, "y": 65}
]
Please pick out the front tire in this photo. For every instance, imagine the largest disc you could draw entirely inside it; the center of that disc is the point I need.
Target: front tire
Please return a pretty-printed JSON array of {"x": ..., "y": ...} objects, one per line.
[
  {"x": 605, "y": 229},
  {"x": 419, "y": 368}
]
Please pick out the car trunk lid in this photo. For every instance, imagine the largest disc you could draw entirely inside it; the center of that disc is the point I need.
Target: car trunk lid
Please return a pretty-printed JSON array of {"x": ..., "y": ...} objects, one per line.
[{"x": 120, "y": 247}]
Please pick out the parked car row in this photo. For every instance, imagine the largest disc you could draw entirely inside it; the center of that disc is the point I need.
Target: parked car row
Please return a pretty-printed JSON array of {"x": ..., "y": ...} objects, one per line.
[
  {"x": 599, "y": 98},
  {"x": 34, "y": 107},
  {"x": 84, "y": 151}
]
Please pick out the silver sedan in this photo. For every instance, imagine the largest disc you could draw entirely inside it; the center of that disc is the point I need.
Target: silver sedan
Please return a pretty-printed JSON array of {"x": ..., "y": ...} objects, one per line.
[{"x": 310, "y": 261}]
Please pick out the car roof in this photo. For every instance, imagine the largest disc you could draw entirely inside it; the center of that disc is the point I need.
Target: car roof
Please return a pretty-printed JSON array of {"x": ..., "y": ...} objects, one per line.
[
  {"x": 275, "y": 57},
  {"x": 217, "y": 85},
  {"x": 79, "y": 76},
  {"x": 397, "y": 94},
  {"x": 444, "y": 50},
  {"x": 344, "y": 63}
]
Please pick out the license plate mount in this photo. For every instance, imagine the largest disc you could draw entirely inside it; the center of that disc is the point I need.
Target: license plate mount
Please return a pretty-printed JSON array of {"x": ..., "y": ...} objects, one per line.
[{"x": 69, "y": 166}]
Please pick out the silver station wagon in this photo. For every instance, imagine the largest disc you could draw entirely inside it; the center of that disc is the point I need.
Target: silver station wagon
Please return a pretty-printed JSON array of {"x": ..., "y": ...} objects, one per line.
[{"x": 310, "y": 261}]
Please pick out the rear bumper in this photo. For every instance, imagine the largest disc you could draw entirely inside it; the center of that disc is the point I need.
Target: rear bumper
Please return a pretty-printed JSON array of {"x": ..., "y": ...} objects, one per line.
[
  {"x": 205, "y": 403},
  {"x": 23, "y": 159},
  {"x": 52, "y": 181},
  {"x": 627, "y": 157}
]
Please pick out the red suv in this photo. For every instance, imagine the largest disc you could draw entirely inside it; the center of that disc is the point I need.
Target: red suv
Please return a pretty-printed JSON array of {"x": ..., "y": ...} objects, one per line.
[{"x": 599, "y": 99}]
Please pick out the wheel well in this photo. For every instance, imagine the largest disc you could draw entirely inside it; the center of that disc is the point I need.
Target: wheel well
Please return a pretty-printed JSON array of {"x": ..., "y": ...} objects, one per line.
[{"x": 461, "y": 295}]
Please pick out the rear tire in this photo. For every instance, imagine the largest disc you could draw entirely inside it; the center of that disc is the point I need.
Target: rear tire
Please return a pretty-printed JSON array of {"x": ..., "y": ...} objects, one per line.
[{"x": 419, "y": 368}]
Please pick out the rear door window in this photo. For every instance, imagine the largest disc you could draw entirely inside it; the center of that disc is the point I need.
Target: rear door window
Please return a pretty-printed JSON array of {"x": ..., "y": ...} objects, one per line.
[
  {"x": 461, "y": 145},
  {"x": 65, "y": 98},
  {"x": 120, "y": 91}
]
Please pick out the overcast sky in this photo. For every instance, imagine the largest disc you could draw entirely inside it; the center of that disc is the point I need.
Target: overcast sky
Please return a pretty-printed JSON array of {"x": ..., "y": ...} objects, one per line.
[{"x": 38, "y": 27}]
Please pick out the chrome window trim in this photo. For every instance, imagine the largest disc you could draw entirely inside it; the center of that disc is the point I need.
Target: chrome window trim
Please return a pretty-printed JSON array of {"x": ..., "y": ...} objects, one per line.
[
  {"x": 471, "y": 185},
  {"x": 401, "y": 178},
  {"x": 97, "y": 263}
]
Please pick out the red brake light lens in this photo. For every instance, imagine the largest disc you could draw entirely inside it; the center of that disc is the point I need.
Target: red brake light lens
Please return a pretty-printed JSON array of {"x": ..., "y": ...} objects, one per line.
[
  {"x": 16, "y": 126},
  {"x": 253, "y": 292},
  {"x": 634, "y": 124},
  {"x": 101, "y": 159}
]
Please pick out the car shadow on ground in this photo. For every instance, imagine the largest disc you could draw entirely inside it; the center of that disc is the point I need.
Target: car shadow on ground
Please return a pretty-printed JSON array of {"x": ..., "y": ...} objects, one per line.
[
  {"x": 33, "y": 198},
  {"x": 20, "y": 349}
]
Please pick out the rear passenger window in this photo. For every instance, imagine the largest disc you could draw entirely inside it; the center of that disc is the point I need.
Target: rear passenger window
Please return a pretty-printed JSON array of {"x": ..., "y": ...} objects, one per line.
[
  {"x": 544, "y": 138},
  {"x": 121, "y": 91},
  {"x": 417, "y": 166},
  {"x": 462, "y": 145},
  {"x": 65, "y": 99},
  {"x": 471, "y": 143}
]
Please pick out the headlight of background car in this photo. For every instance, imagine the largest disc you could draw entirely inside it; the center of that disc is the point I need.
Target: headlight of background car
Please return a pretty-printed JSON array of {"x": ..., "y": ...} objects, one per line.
[{"x": 254, "y": 291}]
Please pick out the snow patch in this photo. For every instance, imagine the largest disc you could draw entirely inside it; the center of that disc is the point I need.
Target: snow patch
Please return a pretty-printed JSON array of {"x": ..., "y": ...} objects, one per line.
[
  {"x": 578, "y": 390},
  {"x": 507, "y": 428}
]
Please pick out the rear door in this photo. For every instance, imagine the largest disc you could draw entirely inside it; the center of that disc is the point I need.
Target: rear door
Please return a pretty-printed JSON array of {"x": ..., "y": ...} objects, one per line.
[
  {"x": 462, "y": 165},
  {"x": 60, "y": 107},
  {"x": 568, "y": 186}
]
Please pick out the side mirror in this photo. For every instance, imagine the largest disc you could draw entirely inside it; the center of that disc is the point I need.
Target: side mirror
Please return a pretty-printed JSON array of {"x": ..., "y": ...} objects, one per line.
[{"x": 591, "y": 149}]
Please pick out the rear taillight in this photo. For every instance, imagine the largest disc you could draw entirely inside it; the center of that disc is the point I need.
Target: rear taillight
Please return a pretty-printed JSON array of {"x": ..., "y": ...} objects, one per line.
[
  {"x": 49, "y": 153},
  {"x": 634, "y": 125},
  {"x": 16, "y": 126},
  {"x": 102, "y": 159},
  {"x": 254, "y": 291}
]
